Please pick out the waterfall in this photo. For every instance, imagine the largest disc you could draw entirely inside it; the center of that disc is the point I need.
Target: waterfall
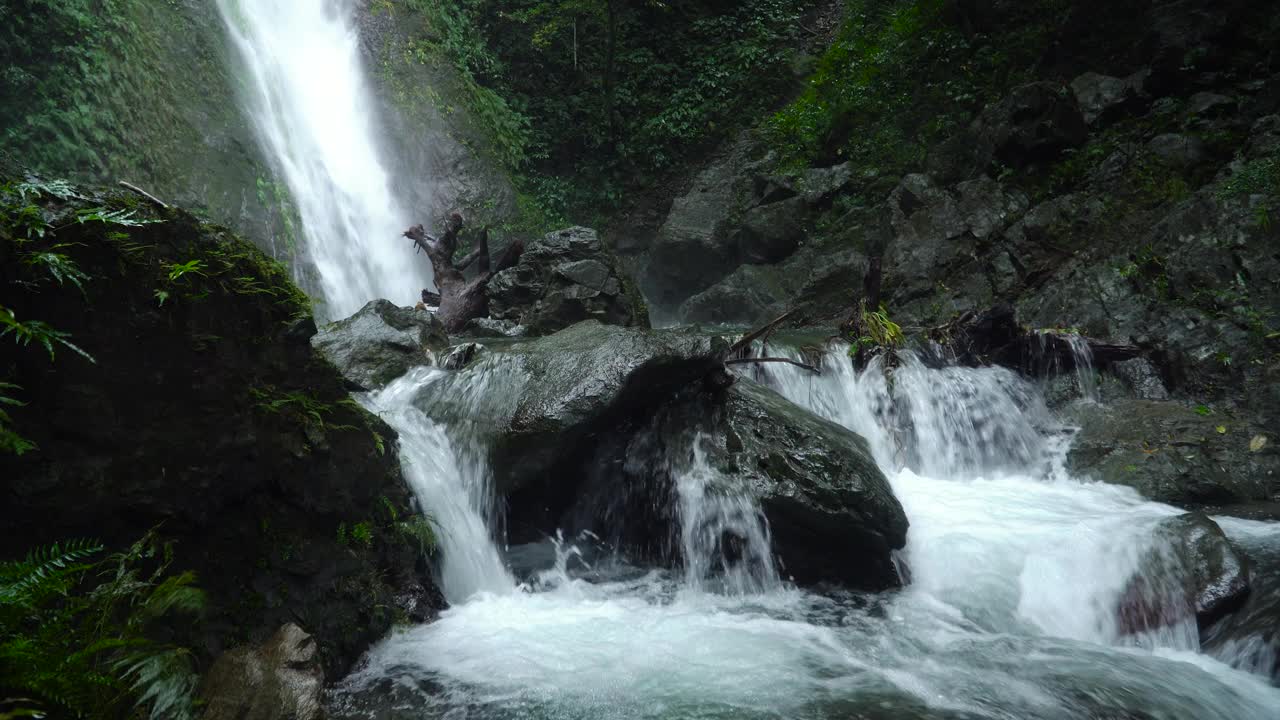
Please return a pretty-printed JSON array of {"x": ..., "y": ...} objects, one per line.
[
  {"x": 452, "y": 484},
  {"x": 313, "y": 111}
]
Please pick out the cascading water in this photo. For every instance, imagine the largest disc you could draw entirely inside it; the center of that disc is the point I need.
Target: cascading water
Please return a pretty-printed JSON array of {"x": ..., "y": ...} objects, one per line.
[
  {"x": 1017, "y": 571},
  {"x": 312, "y": 109}
]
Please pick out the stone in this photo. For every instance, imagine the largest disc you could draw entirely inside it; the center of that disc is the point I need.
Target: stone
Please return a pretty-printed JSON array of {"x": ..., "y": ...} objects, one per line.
[
  {"x": 1035, "y": 123},
  {"x": 1210, "y": 105},
  {"x": 1141, "y": 377},
  {"x": 831, "y": 512},
  {"x": 459, "y": 356},
  {"x": 281, "y": 680},
  {"x": 1178, "y": 151},
  {"x": 563, "y": 278},
  {"x": 559, "y": 389},
  {"x": 1103, "y": 98},
  {"x": 1171, "y": 453},
  {"x": 770, "y": 233},
  {"x": 1191, "y": 571},
  {"x": 381, "y": 342}
]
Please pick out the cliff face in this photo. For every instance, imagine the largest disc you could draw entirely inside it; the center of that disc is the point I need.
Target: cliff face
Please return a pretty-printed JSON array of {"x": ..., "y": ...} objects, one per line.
[{"x": 196, "y": 405}]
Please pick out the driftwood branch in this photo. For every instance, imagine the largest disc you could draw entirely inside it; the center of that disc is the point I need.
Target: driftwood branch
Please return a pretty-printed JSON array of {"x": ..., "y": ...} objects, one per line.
[
  {"x": 754, "y": 335},
  {"x": 143, "y": 193},
  {"x": 789, "y": 361}
]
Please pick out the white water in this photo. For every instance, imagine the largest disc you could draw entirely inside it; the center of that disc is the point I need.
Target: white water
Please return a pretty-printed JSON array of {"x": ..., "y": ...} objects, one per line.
[
  {"x": 312, "y": 109},
  {"x": 1017, "y": 571}
]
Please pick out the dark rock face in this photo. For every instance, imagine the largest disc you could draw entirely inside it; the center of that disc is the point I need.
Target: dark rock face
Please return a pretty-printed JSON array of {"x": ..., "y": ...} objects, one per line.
[
  {"x": 1171, "y": 453},
  {"x": 831, "y": 511},
  {"x": 381, "y": 342},
  {"x": 1249, "y": 638},
  {"x": 281, "y": 680},
  {"x": 1103, "y": 98},
  {"x": 770, "y": 233},
  {"x": 1034, "y": 123},
  {"x": 565, "y": 277},
  {"x": 1193, "y": 570},
  {"x": 208, "y": 413}
]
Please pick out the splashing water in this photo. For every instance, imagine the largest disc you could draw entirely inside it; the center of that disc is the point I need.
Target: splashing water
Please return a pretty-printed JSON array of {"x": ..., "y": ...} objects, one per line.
[
  {"x": 724, "y": 538},
  {"x": 311, "y": 107},
  {"x": 1017, "y": 571}
]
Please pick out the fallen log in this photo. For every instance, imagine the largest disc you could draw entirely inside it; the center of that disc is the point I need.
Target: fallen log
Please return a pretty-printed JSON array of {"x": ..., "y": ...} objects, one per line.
[
  {"x": 797, "y": 363},
  {"x": 461, "y": 299}
]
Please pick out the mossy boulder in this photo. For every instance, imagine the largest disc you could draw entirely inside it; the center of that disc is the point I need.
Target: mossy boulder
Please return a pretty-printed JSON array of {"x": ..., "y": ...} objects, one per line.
[{"x": 194, "y": 403}]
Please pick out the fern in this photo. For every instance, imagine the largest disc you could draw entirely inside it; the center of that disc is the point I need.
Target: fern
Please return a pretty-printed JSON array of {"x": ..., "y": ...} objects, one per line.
[
  {"x": 10, "y": 441},
  {"x": 60, "y": 267},
  {"x": 24, "y": 333},
  {"x": 74, "y": 631},
  {"x": 177, "y": 271}
]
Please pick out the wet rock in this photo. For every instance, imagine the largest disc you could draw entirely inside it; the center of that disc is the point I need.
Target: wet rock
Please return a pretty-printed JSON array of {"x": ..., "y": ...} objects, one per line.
[
  {"x": 1141, "y": 378},
  {"x": 1249, "y": 638},
  {"x": 459, "y": 356},
  {"x": 831, "y": 512},
  {"x": 557, "y": 390},
  {"x": 1103, "y": 98},
  {"x": 1172, "y": 453},
  {"x": 770, "y": 233},
  {"x": 492, "y": 327},
  {"x": 1192, "y": 570},
  {"x": 281, "y": 680},
  {"x": 1178, "y": 151},
  {"x": 381, "y": 342},
  {"x": 562, "y": 278}
]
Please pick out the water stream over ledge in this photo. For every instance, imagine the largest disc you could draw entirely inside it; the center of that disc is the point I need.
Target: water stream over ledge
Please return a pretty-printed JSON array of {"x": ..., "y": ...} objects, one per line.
[{"x": 1016, "y": 573}]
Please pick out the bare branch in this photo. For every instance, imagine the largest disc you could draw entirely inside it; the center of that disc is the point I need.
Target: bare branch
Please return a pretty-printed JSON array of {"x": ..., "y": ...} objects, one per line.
[{"x": 789, "y": 361}]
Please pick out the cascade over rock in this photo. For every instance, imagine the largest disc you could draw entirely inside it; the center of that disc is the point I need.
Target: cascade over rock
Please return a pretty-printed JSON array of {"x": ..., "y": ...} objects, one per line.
[
  {"x": 381, "y": 342},
  {"x": 1192, "y": 570},
  {"x": 831, "y": 512},
  {"x": 562, "y": 278}
]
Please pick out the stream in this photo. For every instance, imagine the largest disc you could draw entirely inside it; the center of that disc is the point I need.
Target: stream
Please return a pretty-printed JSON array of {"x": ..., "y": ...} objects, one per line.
[{"x": 1016, "y": 570}]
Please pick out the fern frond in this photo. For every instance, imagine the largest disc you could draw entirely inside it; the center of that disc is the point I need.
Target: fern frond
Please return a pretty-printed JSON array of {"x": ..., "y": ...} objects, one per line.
[
  {"x": 162, "y": 680},
  {"x": 44, "y": 570}
]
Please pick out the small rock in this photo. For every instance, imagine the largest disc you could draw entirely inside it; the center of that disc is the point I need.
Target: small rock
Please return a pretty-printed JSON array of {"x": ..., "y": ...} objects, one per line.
[
  {"x": 1103, "y": 97},
  {"x": 1179, "y": 151},
  {"x": 380, "y": 342},
  {"x": 1208, "y": 105},
  {"x": 281, "y": 680},
  {"x": 459, "y": 356}
]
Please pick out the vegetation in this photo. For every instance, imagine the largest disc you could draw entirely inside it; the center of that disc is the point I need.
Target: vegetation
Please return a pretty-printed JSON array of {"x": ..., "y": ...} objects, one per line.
[
  {"x": 75, "y": 632},
  {"x": 873, "y": 331},
  {"x": 586, "y": 98}
]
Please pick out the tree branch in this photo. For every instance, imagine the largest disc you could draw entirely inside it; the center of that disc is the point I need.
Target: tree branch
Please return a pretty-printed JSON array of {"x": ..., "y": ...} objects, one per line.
[
  {"x": 143, "y": 193},
  {"x": 789, "y": 361}
]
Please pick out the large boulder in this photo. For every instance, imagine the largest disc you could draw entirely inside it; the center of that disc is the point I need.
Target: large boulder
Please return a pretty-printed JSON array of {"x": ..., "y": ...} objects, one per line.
[
  {"x": 1184, "y": 456},
  {"x": 208, "y": 415},
  {"x": 565, "y": 277},
  {"x": 281, "y": 680},
  {"x": 831, "y": 512},
  {"x": 381, "y": 342},
  {"x": 534, "y": 402},
  {"x": 770, "y": 233},
  {"x": 1192, "y": 570}
]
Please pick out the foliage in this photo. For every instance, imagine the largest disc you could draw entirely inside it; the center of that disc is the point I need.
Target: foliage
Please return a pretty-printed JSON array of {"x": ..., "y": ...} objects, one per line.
[
  {"x": 177, "y": 271},
  {"x": 1260, "y": 176},
  {"x": 74, "y": 631},
  {"x": 603, "y": 95},
  {"x": 874, "y": 332},
  {"x": 28, "y": 331},
  {"x": 10, "y": 441}
]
